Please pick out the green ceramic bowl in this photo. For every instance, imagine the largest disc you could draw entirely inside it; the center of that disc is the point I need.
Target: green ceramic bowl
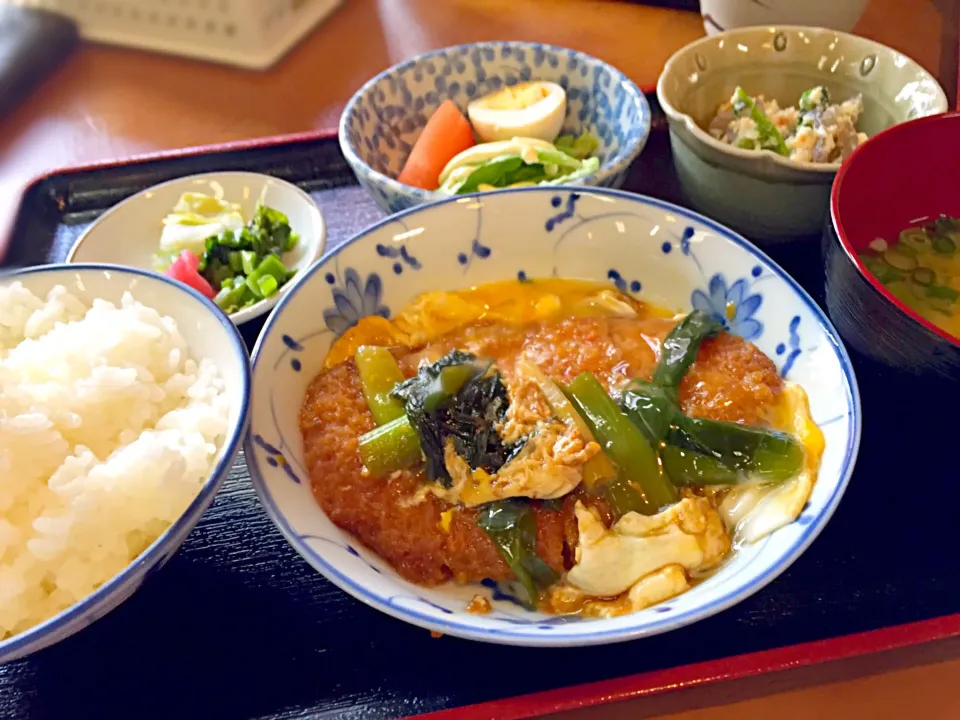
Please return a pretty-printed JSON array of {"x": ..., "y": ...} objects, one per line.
[{"x": 762, "y": 194}]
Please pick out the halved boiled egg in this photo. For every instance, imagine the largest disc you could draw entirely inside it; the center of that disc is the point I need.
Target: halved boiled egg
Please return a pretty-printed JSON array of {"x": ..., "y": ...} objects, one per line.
[{"x": 532, "y": 109}]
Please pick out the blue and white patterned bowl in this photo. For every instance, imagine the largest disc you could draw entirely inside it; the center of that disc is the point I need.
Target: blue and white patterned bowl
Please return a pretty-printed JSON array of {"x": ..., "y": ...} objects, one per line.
[
  {"x": 209, "y": 334},
  {"x": 384, "y": 118},
  {"x": 664, "y": 253}
]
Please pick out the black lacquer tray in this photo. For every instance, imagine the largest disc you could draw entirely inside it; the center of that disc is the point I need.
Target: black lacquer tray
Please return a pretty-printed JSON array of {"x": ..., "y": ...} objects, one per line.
[{"x": 238, "y": 626}]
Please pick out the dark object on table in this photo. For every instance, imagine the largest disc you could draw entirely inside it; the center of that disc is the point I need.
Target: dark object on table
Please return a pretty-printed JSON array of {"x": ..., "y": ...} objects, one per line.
[
  {"x": 32, "y": 44},
  {"x": 691, "y": 5},
  {"x": 237, "y": 625}
]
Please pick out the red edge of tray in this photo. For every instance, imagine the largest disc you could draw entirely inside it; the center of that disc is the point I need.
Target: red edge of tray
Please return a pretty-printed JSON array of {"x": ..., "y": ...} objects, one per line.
[{"x": 687, "y": 676}]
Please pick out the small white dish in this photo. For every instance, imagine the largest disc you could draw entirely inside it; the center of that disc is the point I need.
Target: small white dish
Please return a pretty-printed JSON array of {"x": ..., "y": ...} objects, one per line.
[
  {"x": 661, "y": 252},
  {"x": 129, "y": 233},
  {"x": 208, "y": 334}
]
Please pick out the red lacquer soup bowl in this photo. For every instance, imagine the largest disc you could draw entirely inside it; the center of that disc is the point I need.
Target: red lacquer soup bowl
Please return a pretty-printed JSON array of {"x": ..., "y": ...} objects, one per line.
[{"x": 899, "y": 178}]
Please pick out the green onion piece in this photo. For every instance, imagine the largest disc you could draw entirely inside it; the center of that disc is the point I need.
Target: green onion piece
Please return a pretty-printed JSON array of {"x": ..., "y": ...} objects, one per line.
[
  {"x": 680, "y": 347},
  {"x": 379, "y": 375},
  {"x": 390, "y": 447},
  {"x": 746, "y": 144},
  {"x": 249, "y": 261},
  {"x": 807, "y": 103},
  {"x": 623, "y": 442},
  {"x": 916, "y": 238},
  {"x": 253, "y": 284},
  {"x": 268, "y": 285},
  {"x": 232, "y": 298},
  {"x": 291, "y": 242},
  {"x": 943, "y": 292},
  {"x": 770, "y": 137},
  {"x": 234, "y": 261},
  {"x": 883, "y": 272},
  {"x": 944, "y": 245},
  {"x": 923, "y": 276},
  {"x": 691, "y": 469},
  {"x": 758, "y": 452},
  {"x": 652, "y": 408},
  {"x": 897, "y": 258}
]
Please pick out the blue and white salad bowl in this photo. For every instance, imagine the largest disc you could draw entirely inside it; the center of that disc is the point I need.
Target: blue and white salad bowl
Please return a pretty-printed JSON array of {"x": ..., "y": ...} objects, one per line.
[
  {"x": 384, "y": 118},
  {"x": 666, "y": 254}
]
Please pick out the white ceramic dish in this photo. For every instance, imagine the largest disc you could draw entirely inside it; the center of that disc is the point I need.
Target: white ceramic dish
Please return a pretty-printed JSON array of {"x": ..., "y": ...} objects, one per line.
[
  {"x": 765, "y": 195},
  {"x": 129, "y": 233},
  {"x": 662, "y": 252},
  {"x": 721, "y": 15},
  {"x": 209, "y": 335}
]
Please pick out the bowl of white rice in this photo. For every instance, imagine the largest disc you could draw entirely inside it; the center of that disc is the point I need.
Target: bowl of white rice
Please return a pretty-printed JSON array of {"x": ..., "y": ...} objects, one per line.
[{"x": 123, "y": 402}]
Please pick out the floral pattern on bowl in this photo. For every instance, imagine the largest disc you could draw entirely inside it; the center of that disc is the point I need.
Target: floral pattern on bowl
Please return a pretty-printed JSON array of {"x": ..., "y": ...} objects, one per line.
[
  {"x": 384, "y": 118},
  {"x": 665, "y": 254}
]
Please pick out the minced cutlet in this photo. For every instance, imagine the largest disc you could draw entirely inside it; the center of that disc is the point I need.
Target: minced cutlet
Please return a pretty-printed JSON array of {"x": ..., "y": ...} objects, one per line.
[{"x": 731, "y": 380}]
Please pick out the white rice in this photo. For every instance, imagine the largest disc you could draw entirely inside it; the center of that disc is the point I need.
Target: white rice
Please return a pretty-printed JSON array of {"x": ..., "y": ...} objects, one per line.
[{"x": 108, "y": 430}]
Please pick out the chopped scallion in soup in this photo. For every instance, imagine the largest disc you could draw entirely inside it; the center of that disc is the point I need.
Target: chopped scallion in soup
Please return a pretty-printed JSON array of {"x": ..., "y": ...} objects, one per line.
[{"x": 922, "y": 269}]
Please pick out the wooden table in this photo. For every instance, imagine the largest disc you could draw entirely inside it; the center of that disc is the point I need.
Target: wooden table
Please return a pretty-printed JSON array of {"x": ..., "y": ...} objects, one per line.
[{"x": 107, "y": 103}]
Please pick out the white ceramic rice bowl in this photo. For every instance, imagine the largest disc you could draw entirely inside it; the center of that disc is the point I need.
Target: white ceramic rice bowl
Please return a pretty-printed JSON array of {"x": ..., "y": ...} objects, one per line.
[
  {"x": 209, "y": 334},
  {"x": 665, "y": 254}
]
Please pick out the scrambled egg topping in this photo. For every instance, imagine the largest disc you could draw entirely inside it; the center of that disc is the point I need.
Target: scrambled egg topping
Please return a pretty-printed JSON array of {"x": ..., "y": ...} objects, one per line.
[
  {"x": 754, "y": 510},
  {"x": 550, "y": 465},
  {"x": 689, "y": 535}
]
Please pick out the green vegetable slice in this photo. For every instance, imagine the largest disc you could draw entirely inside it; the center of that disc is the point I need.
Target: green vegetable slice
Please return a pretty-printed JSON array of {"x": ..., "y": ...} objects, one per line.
[
  {"x": 770, "y": 137},
  {"x": 379, "y": 375},
  {"x": 944, "y": 245},
  {"x": 577, "y": 147},
  {"x": 512, "y": 526},
  {"x": 390, "y": 447},
  {"x": 494, "y": 172},
  {"x": 756, "y": 452},
  {"x": 268, "y": 285},
  {"x": 900, "y": 260},
  {"x": 643, "y": 486},
  {"x": 681, "y": 345},
  {"x": 807, "y": 102},
  {"x": 689, "y": 468},
  {"x": 943, "y": 292},
  {"x": 923, "y": 276}
]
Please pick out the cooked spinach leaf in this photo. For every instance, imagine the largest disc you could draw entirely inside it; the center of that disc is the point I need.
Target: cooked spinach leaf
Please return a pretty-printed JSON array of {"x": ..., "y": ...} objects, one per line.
[
  {"x": 461, "y": 398},
  {"x": 512, "y": 525}
]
